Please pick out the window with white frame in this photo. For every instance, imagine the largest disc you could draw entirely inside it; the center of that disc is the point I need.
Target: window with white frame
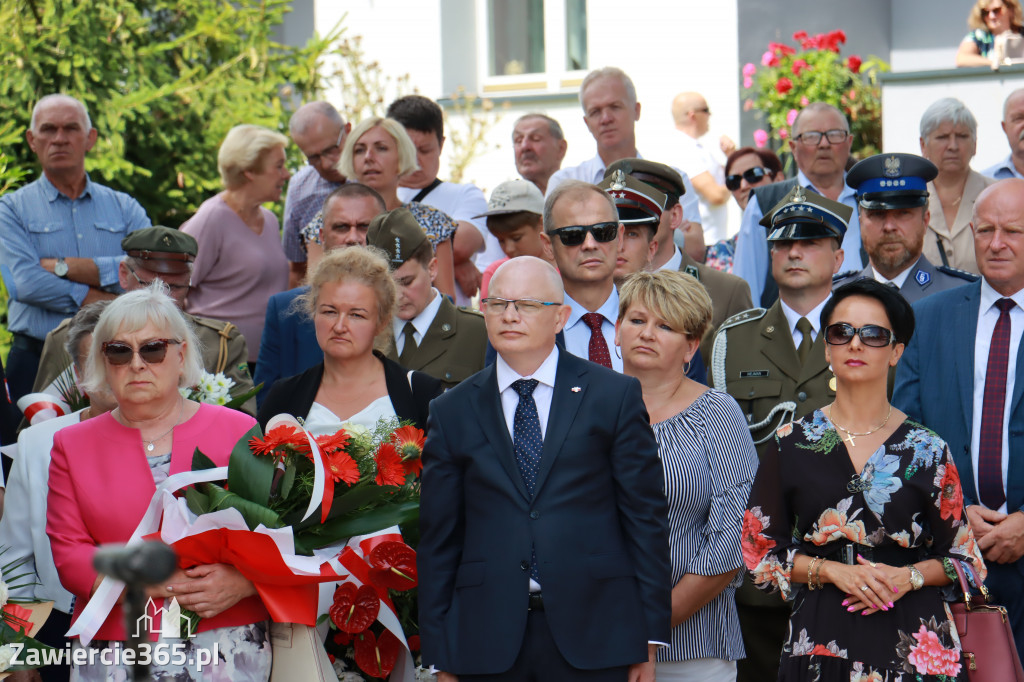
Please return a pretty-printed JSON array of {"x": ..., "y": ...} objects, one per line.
[{"x": 531, "y": 44}]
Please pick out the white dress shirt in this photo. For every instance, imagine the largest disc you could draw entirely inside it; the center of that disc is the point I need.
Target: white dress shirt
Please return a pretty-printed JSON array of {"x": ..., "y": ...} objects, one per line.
[
  {"x": 814, "y": 317},
  {"x": 988, "y": 315},
  {"x": 695, "y": 159},
  {"x": 421, "y": 322},
  {"x": 577, "y": 333},
  {"x": 898, "y": 280},
  {"x": 675, "y": 262}
]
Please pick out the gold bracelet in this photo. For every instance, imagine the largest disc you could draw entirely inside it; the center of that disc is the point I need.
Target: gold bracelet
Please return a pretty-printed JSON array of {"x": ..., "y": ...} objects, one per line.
[
  {"x": 810, "y": 572},
  {"x": 817, "y": 573}
]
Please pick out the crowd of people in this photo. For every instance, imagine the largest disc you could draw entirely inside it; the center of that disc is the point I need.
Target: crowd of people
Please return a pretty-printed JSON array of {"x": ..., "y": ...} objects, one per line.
[{"x": 652, "y": 450}]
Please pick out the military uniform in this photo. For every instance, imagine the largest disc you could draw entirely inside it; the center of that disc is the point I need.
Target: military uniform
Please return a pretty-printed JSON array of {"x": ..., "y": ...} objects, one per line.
[
  {"x": 730, "y": 295},
  {"x": 925, "y": 279},
  {"x": 453, "y": 348},
  {"x": 223, "y": 350}
]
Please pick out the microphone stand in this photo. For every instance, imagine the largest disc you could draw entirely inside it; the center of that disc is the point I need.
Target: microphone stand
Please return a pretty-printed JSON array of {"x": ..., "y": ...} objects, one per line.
[{"x": 134, "y": 610}]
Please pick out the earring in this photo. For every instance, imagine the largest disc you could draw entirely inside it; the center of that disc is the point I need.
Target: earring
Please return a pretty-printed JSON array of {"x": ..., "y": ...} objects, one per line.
[
  {"x": 686, "y": 367},
  {"x": 618, "y": 352}
]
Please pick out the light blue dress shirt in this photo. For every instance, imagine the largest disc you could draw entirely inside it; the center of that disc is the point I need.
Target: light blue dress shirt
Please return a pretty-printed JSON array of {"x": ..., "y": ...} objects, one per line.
[{"x": 577, "y": 333}]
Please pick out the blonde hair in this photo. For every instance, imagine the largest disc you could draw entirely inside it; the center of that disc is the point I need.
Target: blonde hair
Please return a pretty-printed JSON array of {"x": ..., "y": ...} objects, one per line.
[
  {"x": 131, "y": 312},
  {"x": 675, "y": 297},
  {"x": 976, "y": 21},
  {"x": 244, "y": 149},
  {"x": 366, "y": 265},
  {"x": 406, "y": 149}
]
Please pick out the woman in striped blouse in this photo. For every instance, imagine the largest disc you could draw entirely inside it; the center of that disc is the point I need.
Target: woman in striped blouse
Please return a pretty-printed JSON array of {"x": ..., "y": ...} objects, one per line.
[{"x": 709, "y": 462}]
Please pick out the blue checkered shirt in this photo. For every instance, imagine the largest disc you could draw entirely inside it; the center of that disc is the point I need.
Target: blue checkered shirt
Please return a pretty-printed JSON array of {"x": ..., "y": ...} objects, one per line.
[{"x": 305, "y": 197}]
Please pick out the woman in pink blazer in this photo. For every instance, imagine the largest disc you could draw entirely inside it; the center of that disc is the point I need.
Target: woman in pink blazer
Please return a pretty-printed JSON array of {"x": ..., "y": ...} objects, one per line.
[{"x": 104, "y": 473}]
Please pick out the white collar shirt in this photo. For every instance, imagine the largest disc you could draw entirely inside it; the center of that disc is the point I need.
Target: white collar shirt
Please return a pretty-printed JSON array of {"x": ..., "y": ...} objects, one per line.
[
  {"x": 792, "y": 317},
  {"x": 421, "y": 322},
  {"x": 577, "y": 333},
  {"x": 545, "y": 376}
]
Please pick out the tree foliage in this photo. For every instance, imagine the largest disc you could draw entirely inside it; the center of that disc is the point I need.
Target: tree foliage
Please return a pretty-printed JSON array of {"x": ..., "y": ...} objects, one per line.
[{"x": 164, "y": 80}]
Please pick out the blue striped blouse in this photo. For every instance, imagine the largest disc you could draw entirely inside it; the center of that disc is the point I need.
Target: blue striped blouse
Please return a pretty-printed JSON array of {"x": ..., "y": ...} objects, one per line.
[{"x": 709, "y": 462}]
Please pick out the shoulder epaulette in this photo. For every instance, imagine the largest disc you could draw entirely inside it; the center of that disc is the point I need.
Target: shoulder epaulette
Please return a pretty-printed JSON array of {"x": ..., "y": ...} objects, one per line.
[
  {"x": 843, "y": 275},
  {"x": 470, "y": 311},
  {"x": 745, "y": 316},
  {"x": 962, "y": 274}
]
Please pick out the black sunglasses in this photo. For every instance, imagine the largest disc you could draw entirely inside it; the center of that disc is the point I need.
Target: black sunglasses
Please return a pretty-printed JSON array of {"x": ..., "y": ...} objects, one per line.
[
  {"x": 574, "y": 235},
  {"x": 751, "y": 175},
  {"x": 152, "y": 352},
  {"x": 870, "y": 335}
]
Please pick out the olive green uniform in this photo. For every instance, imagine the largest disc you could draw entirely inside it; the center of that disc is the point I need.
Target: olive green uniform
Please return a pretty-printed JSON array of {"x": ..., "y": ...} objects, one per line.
[
  {"x": 223, "y": 350},
  {"x": 729, "y": 295},
  {"x": 755, "y": 361},
  {"x": 454, "y": 347}
]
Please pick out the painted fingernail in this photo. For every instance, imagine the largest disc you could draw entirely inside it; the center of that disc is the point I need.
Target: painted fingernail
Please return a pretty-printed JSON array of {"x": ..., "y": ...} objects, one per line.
[
  {"x": 884, "y": 607},
  {"x": 846, "y": 602},
  {"x": 892, "y": 605},
  {"x": 851, "y": 609},
  {"x": 896, "y": 590},
  {"x": 864, "y": 612},
  {"x": 170, "y": 588}
]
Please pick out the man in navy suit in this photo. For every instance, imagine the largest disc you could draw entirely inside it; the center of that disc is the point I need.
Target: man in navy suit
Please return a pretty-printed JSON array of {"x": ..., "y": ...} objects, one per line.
[
  {"x": 963, "y": 376},
  {"x": 288, "y": 345},
  {"x": 544, "y": 549}
]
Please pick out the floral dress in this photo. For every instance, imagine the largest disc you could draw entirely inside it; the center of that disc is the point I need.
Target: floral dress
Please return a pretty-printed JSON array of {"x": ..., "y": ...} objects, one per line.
[
  {"x": 808, "y": 498},
  {"x": 438, "y": 225}
]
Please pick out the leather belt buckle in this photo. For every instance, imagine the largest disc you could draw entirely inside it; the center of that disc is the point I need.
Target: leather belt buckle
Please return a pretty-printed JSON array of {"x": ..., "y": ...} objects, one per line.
[{"x": 536, "y": 602}]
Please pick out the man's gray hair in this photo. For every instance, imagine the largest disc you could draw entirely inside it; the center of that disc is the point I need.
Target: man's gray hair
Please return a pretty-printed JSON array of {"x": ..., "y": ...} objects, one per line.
[
  {"x": 554, "y": 127},
  {"x": 55, "y": 98},
  {"x": 304, "y": 117},
  {"x": 947, "y": 110},
  {"x": 609, "y": 72},
  {"x": 577, "y": 188},
  {"x": 1006, "y": 102},
  {"x": 820, "y": 106}
]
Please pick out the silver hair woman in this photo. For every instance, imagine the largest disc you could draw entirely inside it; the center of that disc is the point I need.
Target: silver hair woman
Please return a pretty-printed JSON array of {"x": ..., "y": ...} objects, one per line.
[{"x": 104, "y": 472}]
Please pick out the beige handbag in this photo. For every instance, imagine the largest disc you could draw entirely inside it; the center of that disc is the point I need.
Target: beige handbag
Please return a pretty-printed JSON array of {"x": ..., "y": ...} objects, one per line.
[{"x": 299, "y": 655}]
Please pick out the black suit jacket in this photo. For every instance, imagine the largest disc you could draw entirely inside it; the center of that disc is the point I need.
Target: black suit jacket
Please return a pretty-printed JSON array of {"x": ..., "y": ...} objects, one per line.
[
  {"x": 295, "y": 395},
  {"x": 598, "y": 520}
]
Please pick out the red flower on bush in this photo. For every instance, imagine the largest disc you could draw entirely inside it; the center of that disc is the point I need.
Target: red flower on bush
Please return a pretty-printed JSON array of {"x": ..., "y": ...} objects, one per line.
[
  {"x": 799, "y": 65},
  {"x": 854, "y": 62},
  {"x": 781, "y": 49},
  {"x": 783, "y": 85},
  {"x": 376, "y": 656},
  {"x": 390, "y": 469},
  {"x": 354, "y": 608},
  {"x": 769, "y": 59},
  {"x": 393, "y": 565}
]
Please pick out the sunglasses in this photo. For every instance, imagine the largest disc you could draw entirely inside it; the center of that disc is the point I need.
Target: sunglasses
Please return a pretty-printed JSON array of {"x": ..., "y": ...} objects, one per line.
[
  {"x": 872, "y": 335},
  {"x": 751, "y": 175},
  {"x": 574, "y": 235},
  {"x": 152, "y": 352},
  {"x": 995, "y": 11}
]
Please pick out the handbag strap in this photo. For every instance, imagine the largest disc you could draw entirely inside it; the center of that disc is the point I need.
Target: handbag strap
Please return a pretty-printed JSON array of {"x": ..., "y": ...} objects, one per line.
[
  {"x": 422, "y": 194},
  {"x": 964, "y": 585},
  {"x": 978, "y": 582}
]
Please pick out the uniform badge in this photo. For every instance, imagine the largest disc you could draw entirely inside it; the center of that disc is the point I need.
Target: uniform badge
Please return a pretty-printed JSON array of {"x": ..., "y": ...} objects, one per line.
[
  {"x": 892, "y": 167},
  {"x": 922, "y": 277},
  {"x": 446, "y": 327},
  {"x": 576, "y": 389},
  {"x": 799, "y": 196},
  {"x": 692, "y": 271},
  {"x": 769, "y": 329},
  {"x": 618, "y": 180}
]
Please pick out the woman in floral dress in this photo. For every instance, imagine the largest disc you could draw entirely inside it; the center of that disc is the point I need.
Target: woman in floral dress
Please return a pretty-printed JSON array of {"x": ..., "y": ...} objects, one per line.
[{"x": 856, "y": 514}]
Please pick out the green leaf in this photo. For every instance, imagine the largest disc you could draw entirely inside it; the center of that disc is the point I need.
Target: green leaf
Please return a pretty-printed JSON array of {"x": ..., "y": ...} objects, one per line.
[
  {"x": 201, "y": 462},
  {"x": 239, "y": 400},
  {"x": 198, "y": 503},
  {"x": 250, "y": 476},
  {"x": 254, "y": 514},
  {"x": 287, "y": 481},
  {"x": 362, "y": 524}
]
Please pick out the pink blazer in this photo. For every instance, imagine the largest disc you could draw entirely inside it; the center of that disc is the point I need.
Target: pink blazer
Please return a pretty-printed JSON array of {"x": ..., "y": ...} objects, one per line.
[{"x": 101, "y": 485}]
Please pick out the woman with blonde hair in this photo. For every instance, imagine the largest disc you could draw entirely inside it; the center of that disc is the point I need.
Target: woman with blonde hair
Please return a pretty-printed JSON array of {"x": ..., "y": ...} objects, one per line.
[
  {"x": 709, "y": 462},
  {"x": 987, "y": 20},
  {"x": 241, "y": 263}
]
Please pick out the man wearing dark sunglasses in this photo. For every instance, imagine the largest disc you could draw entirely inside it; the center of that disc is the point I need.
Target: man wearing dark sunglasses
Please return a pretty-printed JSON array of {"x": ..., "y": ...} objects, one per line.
[
  {"x": 820, "y": 141},
  {"x": 166, "y": 254},
  {"x": 319, "y": 131},
  {"x": 704, "y": 164},
  {"x": 892, "y": 199},
  {"x": 773, "y": 363},
  {"x": 582, "y": 227}
]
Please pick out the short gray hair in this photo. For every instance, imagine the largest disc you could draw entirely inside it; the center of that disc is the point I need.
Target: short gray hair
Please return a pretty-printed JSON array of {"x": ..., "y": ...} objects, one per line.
[
  {"x": 1006, "y": 102},
  {"x": 576, "y": 188},
  {"x": 307, "y": 114},
  {"x": 554, "y": 127},
  {"x": 243, "y": 149},
  {"x": 609, "y": 72},
  {"x": 820, "y": 106},
  {"x": 131, "y": 312},
  {"x": 947, "y": 110},
  {"x": 55, "y": 98},
  {"x": 82, "y": 324}
]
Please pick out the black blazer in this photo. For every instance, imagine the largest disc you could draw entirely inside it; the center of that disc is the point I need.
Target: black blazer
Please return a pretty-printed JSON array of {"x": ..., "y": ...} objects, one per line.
[{"x": 295, "y": 395}]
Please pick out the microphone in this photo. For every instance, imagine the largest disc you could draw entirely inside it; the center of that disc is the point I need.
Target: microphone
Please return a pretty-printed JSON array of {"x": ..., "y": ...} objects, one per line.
[{"x": 148, "y": 563}]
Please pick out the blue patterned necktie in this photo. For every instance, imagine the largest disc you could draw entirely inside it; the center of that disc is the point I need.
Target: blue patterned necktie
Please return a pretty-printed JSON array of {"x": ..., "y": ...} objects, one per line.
[{"x": 528, "y": 443}]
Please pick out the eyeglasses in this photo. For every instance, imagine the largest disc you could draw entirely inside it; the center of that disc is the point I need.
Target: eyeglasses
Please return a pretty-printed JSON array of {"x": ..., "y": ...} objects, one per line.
[
  {"x": 332, "y": 151},
  {"x": 995, "y": 11},
  {"x": 574, "y": 235},
  {"x": 523, "y": 306},
  {"x": 173, "y": 287},
  {"x": 705, "y": 110},
  {"x": 751, "y": 175},
  {"x": 152, "y": 352},
  {"x": 813, "y": 137},
  {"x": 870, "y": 335}
]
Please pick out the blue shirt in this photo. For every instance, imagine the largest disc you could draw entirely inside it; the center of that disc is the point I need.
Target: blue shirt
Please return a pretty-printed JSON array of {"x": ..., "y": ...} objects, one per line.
[
  {"x": 307, "y": 191},
  {"x": 38, "y": 221},
  {"x": 1003, "y": 170},
  {"x": 577, "y": 333},
  {"x": 752, "y": 261}
]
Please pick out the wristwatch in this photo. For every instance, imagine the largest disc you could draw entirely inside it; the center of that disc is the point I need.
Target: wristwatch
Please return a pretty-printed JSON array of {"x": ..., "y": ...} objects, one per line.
[
  {"x": 61, "y": 268},
  {"x": 916, "y": 579}
]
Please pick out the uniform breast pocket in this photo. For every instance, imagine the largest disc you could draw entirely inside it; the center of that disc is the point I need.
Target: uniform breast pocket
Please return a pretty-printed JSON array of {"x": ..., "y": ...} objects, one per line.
[
  {"x": 455, "y": 373},
  {"x": 752, "y": 389}
]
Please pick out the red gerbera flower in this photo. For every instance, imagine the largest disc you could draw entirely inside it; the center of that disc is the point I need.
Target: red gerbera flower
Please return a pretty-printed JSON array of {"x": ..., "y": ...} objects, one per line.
[
  {"x": 390, "y": 470},
  {"x": 333, "y": 442},
  {"x": 342, "y": 467},
  {"x": 279, "y": 437},
  {"x": 409, "y": 442}
]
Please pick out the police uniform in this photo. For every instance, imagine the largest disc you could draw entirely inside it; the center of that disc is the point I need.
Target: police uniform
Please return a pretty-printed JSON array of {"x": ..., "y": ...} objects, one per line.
[
  {"x": 165, "y": 250},
  {"x": 454, "y": 346},
  {"x": 755, "y": 360},
  {"x": 898, "y": 181}
]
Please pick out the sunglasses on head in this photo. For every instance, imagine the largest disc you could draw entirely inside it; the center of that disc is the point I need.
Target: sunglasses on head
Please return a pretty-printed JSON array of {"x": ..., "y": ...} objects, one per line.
[
  {"x": 152, "y": 352},
  {"x": 872, "y": 335},
  {"x": 574, "y": 235},
  {"x": 751, "y": 175}
]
